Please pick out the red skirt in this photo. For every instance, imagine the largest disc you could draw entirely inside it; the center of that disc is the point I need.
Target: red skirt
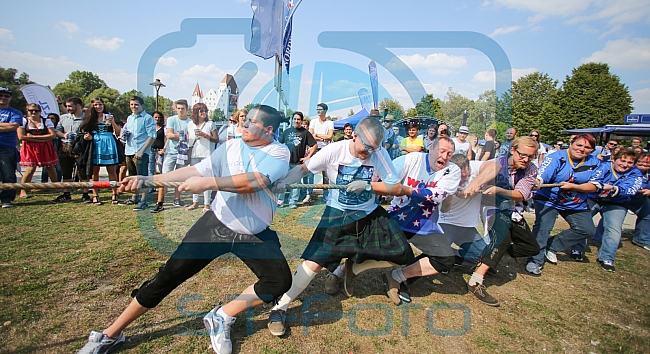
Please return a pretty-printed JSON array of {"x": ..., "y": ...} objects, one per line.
[{"x": 40, "y": 154}]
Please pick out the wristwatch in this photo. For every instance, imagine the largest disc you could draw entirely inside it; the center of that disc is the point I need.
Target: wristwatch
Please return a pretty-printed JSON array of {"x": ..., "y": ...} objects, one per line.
[{"x": 368, "y": 187}]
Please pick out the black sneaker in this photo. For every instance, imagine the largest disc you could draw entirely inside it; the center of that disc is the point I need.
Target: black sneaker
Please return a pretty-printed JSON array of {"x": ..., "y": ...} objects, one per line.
[
  {"x": 129, "y": 202},
  {"x": 480, "y": 292},
  {"x": 141, "y": 206},
  {"x": 85, "y": 198},
  {"x": 276, "y": 322},
  {"x": 65, "y": 197},
  {"x": 404, "y": 293},
  {"x": 98, "y": 342},
  {"x": 158, "y": 208},
  {"x": 607, "y": 265},
  {"x": 178, "y": 203},
  {"x": 577, "y": 255}
]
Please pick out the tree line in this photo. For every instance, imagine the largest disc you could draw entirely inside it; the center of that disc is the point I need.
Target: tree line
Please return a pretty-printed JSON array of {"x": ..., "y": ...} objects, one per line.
[{"x": 590, "y": 96}]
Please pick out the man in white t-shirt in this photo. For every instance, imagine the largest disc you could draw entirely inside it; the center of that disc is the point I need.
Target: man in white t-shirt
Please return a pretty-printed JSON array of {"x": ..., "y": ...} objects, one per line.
[
  {"x": 322, "y": 129},
  {"x": 176, "y": 132},
  {"x": 462, "y": 145},
  {"x": 353, "y": 225},
  {"x": 240, "y": 171}
]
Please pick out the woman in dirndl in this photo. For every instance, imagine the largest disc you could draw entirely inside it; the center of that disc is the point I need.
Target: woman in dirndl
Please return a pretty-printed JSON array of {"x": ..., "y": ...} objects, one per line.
[
  {"x": 100, "y": 127},
  {"x": 36, "y": 150}
]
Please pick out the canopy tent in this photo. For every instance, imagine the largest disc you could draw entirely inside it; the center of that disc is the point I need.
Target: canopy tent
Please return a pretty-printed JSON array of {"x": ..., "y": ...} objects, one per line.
[{"x": 353, "y": 119}]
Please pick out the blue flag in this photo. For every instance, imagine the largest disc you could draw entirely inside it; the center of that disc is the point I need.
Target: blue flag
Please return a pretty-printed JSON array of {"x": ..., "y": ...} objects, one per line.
[
  {"x": 289, "y": 9},
  {"x": 365, "y": 99},
  {"x": 267, "y": 28},
  {"x": 374, "y": 82}
]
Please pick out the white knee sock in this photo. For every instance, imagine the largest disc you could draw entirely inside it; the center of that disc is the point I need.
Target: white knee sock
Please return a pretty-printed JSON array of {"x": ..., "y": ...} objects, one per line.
[{"x": 301, "y": 278}]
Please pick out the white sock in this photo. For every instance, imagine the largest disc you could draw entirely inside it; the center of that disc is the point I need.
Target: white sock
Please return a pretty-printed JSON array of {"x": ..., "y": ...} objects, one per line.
[
  {"x": 301, "y": 278},
  {"x": 475, "y": 279},
  {"x": 339, "y": 271},
  {"x": 398, "y": 275},
  {"x": 226, "y": 318}
]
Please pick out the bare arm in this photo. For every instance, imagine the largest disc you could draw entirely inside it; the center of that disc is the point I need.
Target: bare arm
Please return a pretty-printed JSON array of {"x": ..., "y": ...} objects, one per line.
[
  {"x": 8, "y": 127},
  {"x": 169, "y": 134}
]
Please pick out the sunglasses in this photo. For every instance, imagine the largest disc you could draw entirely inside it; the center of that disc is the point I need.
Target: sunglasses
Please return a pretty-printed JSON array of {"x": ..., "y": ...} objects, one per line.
[
  {"x": 612, "y": 144},
  {"x": 319, "y": 109},
  {"x": 534, "y": 135},
  {"x": 233, "y": 121},
  {"x": 33, "y": 110},
  {"x": 203, "y": 111}
]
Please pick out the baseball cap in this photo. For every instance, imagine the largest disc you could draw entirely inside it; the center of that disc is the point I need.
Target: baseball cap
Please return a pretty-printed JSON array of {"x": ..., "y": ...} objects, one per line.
[
  {"x": 5, "y": 90},
  {"x": 463, "y": 129}
]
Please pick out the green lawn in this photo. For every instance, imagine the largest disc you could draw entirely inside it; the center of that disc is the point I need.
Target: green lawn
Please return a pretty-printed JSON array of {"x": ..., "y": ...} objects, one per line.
[{"x": 67, "y": 269}]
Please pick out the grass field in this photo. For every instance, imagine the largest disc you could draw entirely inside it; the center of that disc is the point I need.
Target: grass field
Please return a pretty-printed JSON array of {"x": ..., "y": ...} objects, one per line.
[{"x": 68, "y": 269}]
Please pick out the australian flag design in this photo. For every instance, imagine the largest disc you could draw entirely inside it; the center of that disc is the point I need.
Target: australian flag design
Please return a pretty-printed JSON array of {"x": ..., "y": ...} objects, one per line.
[{"x": 419, "y": 213}]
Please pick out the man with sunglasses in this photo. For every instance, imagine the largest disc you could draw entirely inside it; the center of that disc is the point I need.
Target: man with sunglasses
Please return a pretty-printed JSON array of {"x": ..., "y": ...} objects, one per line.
[
  {"x": 604, "y": 153},
  {"x": 353, "y": 225},
  {"x": 10, "y": 120},
  {"x": 240, "y": 171}
]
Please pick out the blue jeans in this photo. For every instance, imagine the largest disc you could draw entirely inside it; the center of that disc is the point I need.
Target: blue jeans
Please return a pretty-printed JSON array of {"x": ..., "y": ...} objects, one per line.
[
  {"x": 580, "y": 223},
  {"x": 308, "y": 180},
  {"x": 8, "y": 161},
  {"x": 640, "y": 207},
  {"x": 206, "y": 194}
]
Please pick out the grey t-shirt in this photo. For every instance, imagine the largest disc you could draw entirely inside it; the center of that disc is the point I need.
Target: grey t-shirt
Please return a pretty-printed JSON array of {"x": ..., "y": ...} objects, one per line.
[{"x": 69, "y": 123}]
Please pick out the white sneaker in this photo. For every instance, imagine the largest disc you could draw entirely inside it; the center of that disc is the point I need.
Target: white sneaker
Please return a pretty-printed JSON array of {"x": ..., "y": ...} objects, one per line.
[
  {"x": 99, "y": 343},
  {"x": 551, "y": 257},
  {"x": 307, "y": 199},
  {"x": 219, "y": 331}
]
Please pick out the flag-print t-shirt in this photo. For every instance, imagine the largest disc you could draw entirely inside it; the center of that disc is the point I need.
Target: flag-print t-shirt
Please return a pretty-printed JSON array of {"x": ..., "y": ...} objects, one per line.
[{"x": 418, "y": 213}]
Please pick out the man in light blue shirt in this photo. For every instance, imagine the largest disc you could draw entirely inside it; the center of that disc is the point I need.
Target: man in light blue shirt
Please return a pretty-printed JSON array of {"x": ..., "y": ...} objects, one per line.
[
  {"x": 140, "y": 133},
  {"x": 175, "y": 131}
]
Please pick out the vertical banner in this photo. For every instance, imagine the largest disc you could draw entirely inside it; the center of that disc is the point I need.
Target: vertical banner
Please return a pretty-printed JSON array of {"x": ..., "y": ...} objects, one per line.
[
  {"x": 232, "y": 103},
  {"x": 266, "y": 28},
  {"x": 289, "y": 8},
  {"x": 42, "y": 96},
  {"x": 374, "y": 83},
  {"x": 365, "y": 99}
]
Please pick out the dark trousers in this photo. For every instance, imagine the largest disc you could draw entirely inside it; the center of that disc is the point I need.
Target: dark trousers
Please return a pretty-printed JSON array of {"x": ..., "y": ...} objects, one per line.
[
  {"x": 208, "y": 239},
  {"x": 507, "y": 236},
  {"x": 8, "y": 161}
]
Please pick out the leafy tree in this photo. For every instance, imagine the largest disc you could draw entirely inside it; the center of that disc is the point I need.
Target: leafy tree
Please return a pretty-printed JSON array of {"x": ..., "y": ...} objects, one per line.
[
  {"x": 411, "y": 112},
  {"x": 109, "y": 96},
  {"x": 393, "y": 106},
  {"x": 79, "y": 84},
  {"x": 454, "y": 106},
  {"x": 8, "y": 79},
  {"x": 530, "y": 94},
  {"x": 429, "y": 107},
  {"x": 503, "y": 109},
  {"x": 351, "y": 113},
  {"x": 218, "y": 115},
  {"x": 592, "y": 96},
  {"x": 482, "y": 113}
]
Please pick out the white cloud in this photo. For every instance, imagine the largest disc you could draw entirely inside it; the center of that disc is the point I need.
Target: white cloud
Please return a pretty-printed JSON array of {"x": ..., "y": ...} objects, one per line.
[
  {"x": 577, "y": 11},
  {"x": 641, "y": 97},
  {"x": 44, "y": 70},
  {"x": 488, "y": 77},
  {"x": 168, "y": 61},
  {"x": 69, "y": 27},
  {"x": 436, "y": 63},
  {"x": 345, "y": 87},
  {"x": 119, "y": 80},
  {"x": 105, "y": 44},
  {"x": 505, "y": 30},
  {"x": 624, "y": 54},
  {"x": 6, "y": 35}
]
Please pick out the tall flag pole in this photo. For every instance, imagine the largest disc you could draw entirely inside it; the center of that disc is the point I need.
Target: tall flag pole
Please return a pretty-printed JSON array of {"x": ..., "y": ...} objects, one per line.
[
  {"x": 289, "y": 9},
  {"x": 374, "y": 83}
]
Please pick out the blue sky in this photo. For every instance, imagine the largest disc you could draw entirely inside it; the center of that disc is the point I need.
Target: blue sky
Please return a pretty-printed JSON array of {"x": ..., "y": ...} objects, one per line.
[{"x": 49, "y": 39}]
